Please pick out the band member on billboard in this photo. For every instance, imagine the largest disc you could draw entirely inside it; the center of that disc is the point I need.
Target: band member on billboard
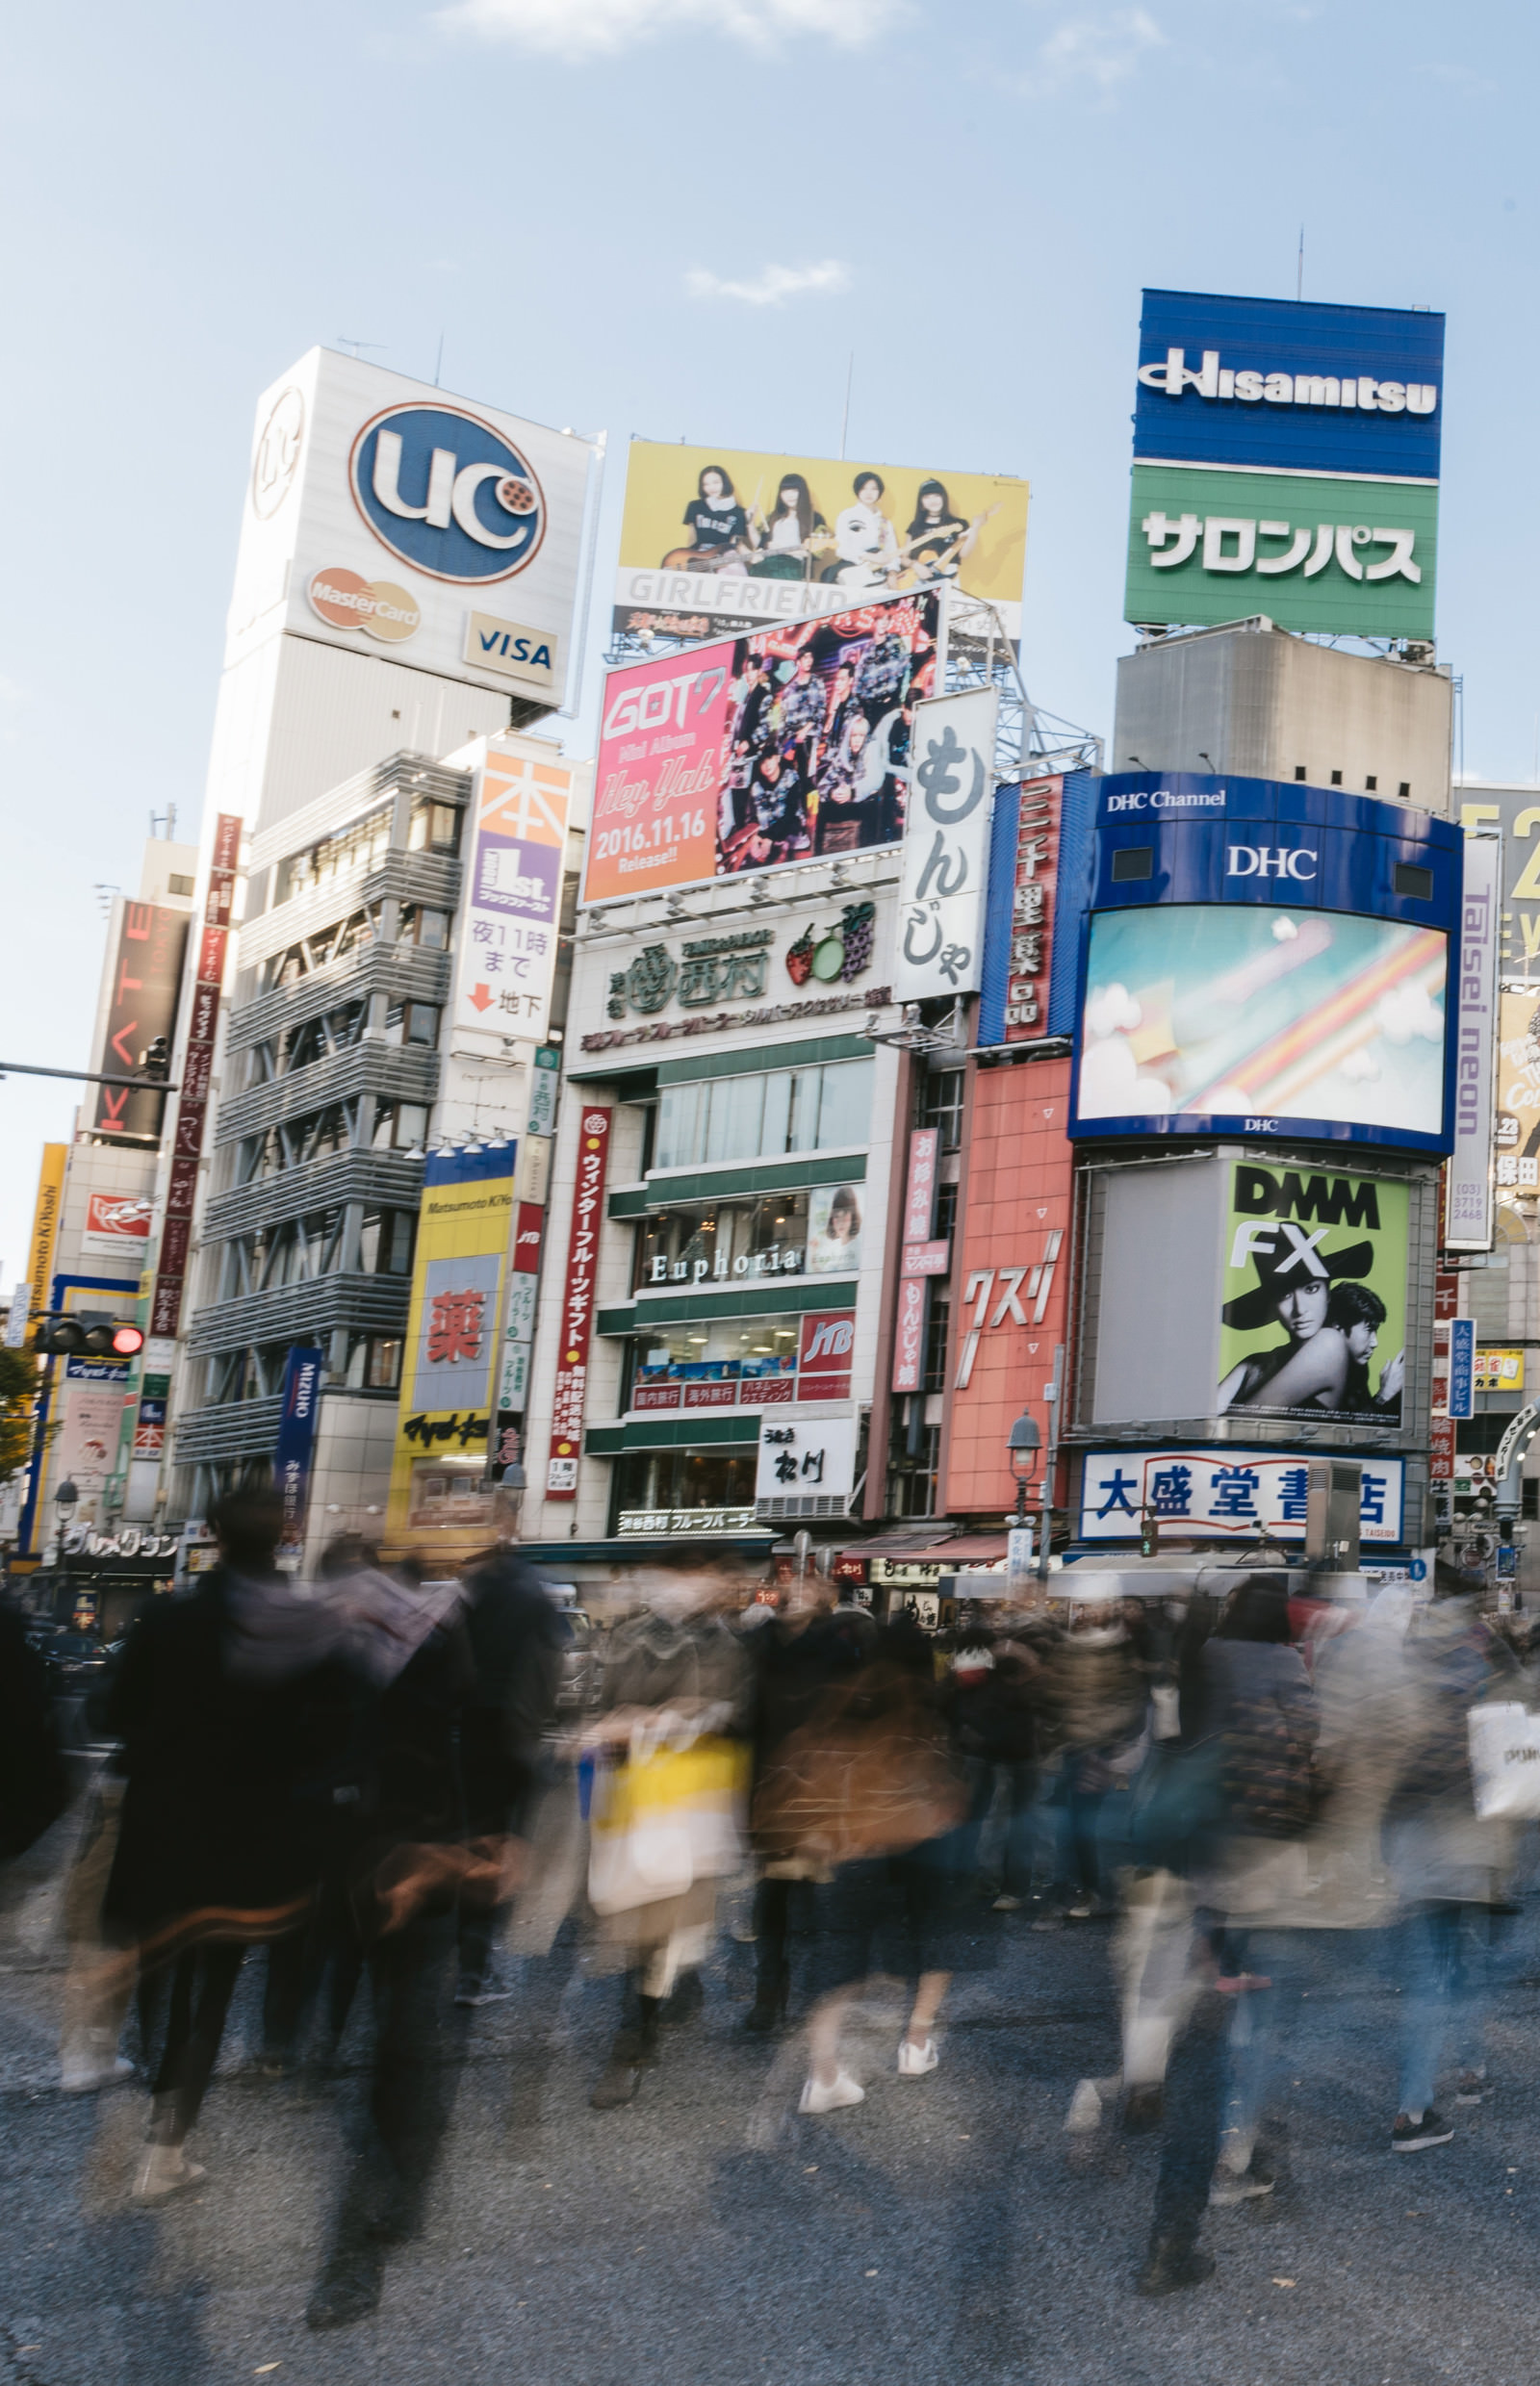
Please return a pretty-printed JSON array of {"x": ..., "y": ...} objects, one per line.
[
  {"x": 842, "y": 704},
  {"x": 865, "y": 542},
  {"x": 797, "y": 716},
  {"x": 775, "y": 823},
  {"x": 793, "y": 535},
  {"x": 719, "y": 528},
  {"x": 939, "y": 539},
  {"x": 1311, "y": 1368},
  {"x": 850, "y": 791}
]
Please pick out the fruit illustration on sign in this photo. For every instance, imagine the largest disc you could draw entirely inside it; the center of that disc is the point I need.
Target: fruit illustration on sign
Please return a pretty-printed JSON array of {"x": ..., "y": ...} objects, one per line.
[{"x": 840, "y": 953}]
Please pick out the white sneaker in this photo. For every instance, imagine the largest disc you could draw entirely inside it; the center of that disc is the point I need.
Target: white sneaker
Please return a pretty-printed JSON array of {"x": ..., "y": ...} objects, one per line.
[
  {"x": 913, "y": 2062},
  {"x": 165, "y": 2171},
  {"x": 841, "y": 2091},
  {"x": 78, "y": 2074}
]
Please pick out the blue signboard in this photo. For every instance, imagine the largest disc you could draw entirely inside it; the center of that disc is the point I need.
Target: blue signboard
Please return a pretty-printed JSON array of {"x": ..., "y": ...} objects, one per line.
[
  {"x": 1462, "y": 1367},
  {"x": 1286, "y": 387},
  {"x": 296, "y": 1435},
  {"x": 1258, "y": 957}
]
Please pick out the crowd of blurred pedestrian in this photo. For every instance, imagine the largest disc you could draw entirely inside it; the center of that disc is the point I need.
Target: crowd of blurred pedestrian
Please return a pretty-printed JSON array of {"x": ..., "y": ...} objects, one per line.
[{"x": 343, "y": 1781}]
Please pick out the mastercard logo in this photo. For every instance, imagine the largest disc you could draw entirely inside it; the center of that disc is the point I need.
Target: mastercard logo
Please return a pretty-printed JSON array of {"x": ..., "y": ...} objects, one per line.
[{"x": 346, "y": 600}]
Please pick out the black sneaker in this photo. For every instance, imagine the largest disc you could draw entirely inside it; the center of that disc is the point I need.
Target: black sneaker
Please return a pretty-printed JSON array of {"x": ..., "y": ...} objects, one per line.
[
  {"x": 1243, "y": 2186},
  {"x": 1471, "y": 2087},
  {"x": 1409, "y": 2136},
  {"x": 1173, "y": 2265},
  {"x": 1143, "y": 2109}
]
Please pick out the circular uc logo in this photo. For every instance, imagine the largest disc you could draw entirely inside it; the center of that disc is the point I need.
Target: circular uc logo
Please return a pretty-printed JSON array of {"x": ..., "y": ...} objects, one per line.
[{"x": 445, "y": 492}]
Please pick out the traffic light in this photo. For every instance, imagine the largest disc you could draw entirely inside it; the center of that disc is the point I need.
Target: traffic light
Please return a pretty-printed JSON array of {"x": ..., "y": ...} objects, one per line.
[
  {"x": 156, "y": 1062},
  {"x": 89, "y": 1336}
]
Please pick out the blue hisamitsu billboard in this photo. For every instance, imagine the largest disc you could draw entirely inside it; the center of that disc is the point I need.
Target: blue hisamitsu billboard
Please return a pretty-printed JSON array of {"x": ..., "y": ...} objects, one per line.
[
  {"x": 1272, "y": 385},
  {"x": 1258, "y": 958}
]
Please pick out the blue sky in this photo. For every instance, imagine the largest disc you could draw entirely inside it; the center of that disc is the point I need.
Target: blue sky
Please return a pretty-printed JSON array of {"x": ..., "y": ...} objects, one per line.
[{"x": 677, "y": 218}]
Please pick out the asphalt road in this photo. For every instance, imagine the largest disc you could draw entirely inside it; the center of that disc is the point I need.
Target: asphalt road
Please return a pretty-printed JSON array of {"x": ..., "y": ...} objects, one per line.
[{"x": 942, "y": 2231}]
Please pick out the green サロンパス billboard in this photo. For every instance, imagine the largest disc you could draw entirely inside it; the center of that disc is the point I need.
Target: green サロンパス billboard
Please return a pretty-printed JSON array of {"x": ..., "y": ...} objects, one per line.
[
  {"x": 1314, "y": 1293},
  {"x": 1311, "y": 551}
]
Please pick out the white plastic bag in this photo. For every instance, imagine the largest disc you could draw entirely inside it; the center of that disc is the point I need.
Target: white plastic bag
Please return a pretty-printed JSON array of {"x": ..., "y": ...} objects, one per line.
[{"x": 1505, "y": 1762}]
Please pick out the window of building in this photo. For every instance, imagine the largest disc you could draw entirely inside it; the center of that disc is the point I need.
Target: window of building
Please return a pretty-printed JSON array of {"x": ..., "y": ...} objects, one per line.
[
  {"x": 913, "y": 1459},
  {"x": 418, "y": 925},
  {"x": 806, "y": 1233},
  {"x": 722, "y": 1118},
  {"x": 657, "y": 1479},
  {"x": 400, "y": 1126},
  {"x": 412, "y": 1023},
  {"x": 728, "y": 1363},
  {"x": 375, "y": 1362},
  {"x": 387, "y": 1243},
  {"x": 435, "y": 828},
  {"x": 178, "y": 885},
  {"x": 940, "y": 1104},
  {"x": 360, "y": 846}
]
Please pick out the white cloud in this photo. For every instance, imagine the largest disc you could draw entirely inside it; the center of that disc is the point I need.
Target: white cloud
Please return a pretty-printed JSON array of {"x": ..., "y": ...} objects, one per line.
[
  {"x": 1102, "y": 51},
  {"x": 1112, "y": 1086},
  {"x": 576, "y": 30},
  {"x": 1284, "y": 929},
  {"x": 774, "y": 284},
  {"x": 1109, "y": 1008},
  {"x": 1410, "y": 1011},
  {"x": 1359, "y": 1066}
]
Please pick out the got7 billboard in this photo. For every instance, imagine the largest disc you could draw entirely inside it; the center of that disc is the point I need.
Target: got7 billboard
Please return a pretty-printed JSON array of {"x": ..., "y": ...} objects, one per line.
[
  {"x": 718, "y": 539},
  {"x": 756, "y": 751}
]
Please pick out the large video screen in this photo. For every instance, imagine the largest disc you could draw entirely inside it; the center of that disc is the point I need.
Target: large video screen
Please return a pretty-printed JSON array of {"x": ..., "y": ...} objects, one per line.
[{"x": 1233, "y": 1011}]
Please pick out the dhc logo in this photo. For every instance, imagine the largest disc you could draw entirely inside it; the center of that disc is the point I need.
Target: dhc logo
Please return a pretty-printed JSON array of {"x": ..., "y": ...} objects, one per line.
[
  {"x": 444, "y": 491},
  {"x": 1271, "y": 861}
]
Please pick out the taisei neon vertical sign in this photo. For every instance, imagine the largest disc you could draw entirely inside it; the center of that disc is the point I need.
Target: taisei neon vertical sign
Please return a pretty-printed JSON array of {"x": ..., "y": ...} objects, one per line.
[{"x": 577, "y": 1305}]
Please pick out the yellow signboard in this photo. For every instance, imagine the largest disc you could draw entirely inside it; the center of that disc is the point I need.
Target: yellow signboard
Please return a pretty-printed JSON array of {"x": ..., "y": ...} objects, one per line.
[
  {"x": 1499, "y": 1371},
  {"x": 722, "y": 540},
  {"x": 453, "y": 1334},
  {"x": 45, "y": 1227}
]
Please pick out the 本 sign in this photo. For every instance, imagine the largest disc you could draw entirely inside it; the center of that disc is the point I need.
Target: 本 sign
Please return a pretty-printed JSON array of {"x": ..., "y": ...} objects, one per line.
[
  {"x": 1226, "y": 1494},
  {"x": 946, "y": 847},
  {"x": 507, "y": 954}
]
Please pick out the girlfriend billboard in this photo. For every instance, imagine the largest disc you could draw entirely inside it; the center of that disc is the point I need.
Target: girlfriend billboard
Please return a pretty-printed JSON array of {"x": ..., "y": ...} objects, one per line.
[
  {"x": 718, "y": 539},
  {"x": 759, "y": 751}
]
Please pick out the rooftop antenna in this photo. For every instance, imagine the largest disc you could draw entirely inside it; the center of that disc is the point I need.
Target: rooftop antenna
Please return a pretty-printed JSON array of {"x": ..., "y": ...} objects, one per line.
[
  {"x": 170, "y": 818},
  {"x": 359, "y": 345},
  {"x": 844, "y": 427},
  {"x": 1300, "y": 276},
  {"x": 438, "y": 364}
]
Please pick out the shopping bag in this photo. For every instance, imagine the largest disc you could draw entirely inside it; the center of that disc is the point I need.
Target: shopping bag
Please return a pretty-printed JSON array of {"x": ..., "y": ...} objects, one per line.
[
  {"x": 664, "y": 1819},
  {"x": 1505, "y": 1762}
]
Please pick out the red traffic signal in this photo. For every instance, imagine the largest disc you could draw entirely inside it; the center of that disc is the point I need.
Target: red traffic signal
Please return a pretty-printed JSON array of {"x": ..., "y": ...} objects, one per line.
[
  {"x": 87, "y": 1335},
  {"x": 127, "y": 1341}
]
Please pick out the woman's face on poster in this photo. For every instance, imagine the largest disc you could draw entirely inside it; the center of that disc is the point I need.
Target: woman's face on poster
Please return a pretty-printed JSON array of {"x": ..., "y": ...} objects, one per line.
[
  {"x": 788, "y": 498},
  {"x": 933, "y": 504},
  {"x": 1303, "y": 1309},
  {"x": 712, "y": 488}
]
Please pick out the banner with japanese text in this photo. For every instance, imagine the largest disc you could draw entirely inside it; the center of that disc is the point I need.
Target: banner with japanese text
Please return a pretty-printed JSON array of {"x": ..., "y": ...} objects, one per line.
[
  {"x": 512, "y": 913},
  {"x": 453, "y": 1332},
  {"x": 1225, "y": 1494},
  {"x": 577, "y": 1303}
]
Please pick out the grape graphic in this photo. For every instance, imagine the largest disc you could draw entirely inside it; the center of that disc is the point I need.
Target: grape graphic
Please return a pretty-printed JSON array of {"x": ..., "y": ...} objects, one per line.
[{"x": 856, "y": 928}]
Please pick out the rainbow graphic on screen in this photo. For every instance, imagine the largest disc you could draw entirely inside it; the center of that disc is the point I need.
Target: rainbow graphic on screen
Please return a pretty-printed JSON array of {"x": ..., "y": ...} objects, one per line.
[{"x": 1223, "y": 1010}]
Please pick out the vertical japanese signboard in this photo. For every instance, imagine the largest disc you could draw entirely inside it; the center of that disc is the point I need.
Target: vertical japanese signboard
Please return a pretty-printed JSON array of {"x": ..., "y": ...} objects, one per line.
[
  {"x": 946, "y": 847},
  {"x": 577, "y": 1304},
  {"x": 454, "y": 1340},
  {"x": 45, "y": 1228},
  {"x": 142, "y": 1006},
  {"x": 920, "y": 1258},
  {"x": 212, "y": 939},
  {"x": 512, "y": 913},
  {"x": 1468, "y": 1179}
]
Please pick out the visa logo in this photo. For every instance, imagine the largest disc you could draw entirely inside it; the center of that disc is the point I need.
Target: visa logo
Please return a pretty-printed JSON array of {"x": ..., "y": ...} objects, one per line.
[{"x": 514, "y": 649}]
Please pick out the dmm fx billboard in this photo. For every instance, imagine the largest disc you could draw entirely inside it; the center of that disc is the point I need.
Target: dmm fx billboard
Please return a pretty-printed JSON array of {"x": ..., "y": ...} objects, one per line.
[
  {"x": 1240, "y": 1286},
  {"x": 715, "y": 539},
  {"x": 453, "y": 1336},
  {"x": 1286, "y": 463},
  {"x": 385, "y": 516},
  {"x": 1258, "y": 958},
  {"x": 512, "y": 913},
  {"x": 737, "y": 757},
  {"x": 946, "y": 847}
]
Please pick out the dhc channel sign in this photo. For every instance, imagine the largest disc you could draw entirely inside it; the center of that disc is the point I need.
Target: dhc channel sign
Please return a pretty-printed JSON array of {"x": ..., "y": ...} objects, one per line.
[{"x": 447, "y": 493}]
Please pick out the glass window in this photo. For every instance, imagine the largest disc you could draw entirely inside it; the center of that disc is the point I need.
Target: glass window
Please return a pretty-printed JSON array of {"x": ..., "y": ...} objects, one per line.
[
  {"x": 724, "y": 1118},
  {"x": 435, "y": 828},
  {"x": 724, "y": 1240},
  {"x": 420, "y": 925},
  {"x": 941, "y": 1105},
  {"x": 685, "y": 1479}
]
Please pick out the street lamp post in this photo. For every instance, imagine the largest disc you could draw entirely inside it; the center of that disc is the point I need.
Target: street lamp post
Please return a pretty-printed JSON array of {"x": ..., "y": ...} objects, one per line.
[
  {"x": 1023, "y": 1446},
  {"x": 66, "y": 1499}
]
